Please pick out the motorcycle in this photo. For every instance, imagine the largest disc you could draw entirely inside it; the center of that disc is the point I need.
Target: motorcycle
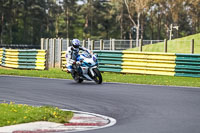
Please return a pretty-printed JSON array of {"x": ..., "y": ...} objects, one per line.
[{"x": 86, "y": 68}]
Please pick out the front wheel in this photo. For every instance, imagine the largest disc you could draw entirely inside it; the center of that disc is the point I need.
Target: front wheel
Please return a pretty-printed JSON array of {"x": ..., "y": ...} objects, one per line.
[{"x": 97, "y": 78}]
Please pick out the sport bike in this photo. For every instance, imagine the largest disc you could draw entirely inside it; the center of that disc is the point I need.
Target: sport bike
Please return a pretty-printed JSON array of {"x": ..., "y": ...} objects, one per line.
[{"x": 86, "y": 68}]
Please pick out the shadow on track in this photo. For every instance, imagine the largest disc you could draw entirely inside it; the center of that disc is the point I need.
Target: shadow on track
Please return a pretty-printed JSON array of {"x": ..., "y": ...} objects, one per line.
[{"x": 84, "y": 83}]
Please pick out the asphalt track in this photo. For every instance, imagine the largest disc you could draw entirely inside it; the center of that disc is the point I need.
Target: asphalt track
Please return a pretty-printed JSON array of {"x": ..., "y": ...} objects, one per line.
[{"x": 137, "y": 108}]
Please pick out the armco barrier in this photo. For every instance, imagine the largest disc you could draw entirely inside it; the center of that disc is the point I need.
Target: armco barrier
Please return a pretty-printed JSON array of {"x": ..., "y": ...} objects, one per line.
[
  {"x": 114, "y": 64},
  {"x": 63, "y": 60},
  {"x": 1, "y": 54},
  {"x": 110, "y": 61},
  {"x": 147, "y": 63},
  {"x": 24, "y": 59},
  {"x": 137, "y": 62},
  {"x": 187, "y": 65}
]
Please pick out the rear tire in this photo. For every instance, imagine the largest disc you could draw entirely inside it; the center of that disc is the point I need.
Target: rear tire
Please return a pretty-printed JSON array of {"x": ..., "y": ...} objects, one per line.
[{"x": 97, "y": 78}]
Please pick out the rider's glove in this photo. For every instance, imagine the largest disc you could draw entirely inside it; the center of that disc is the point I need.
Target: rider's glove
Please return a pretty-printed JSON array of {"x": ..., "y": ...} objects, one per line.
[
  {"x": 72, "y": 61},
  {"x": 78, "y": 62}
]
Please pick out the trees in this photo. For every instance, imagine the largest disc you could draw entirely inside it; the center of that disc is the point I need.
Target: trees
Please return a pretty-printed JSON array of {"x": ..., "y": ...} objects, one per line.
[
  {"x": 9, "y": 11},
  {"x": 194, "y": 13},
  {"x": 99, "y": 21},
  {"x": 70, "y": 14},
  {"x": 138, "y": 7},
  {"x": 21, "y": 21},
  {"x": 25, "y": 21},
  {"x": 118, "y": 8}
]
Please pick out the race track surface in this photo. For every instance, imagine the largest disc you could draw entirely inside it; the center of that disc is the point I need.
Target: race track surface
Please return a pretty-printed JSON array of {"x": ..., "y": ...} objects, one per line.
[{"x": 137, "y": 108}]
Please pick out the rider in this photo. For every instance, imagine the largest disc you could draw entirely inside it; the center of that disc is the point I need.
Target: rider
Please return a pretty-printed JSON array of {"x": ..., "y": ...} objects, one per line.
[{"x": 72, "y": 53}]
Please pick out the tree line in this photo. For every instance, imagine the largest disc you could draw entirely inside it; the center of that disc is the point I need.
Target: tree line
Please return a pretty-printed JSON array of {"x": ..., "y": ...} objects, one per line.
[{"x": 26, "y": 21}]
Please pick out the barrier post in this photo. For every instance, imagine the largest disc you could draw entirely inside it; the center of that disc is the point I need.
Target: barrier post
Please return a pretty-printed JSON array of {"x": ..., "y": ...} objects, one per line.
[
  {"x": 50, "y": 60},
  {"x": 59, "y": 52},
  {"x": 47, "y": 54},
  {"x": 101, "y": 44},
  {"x": 113, "y": 44},
  {"x": 131, "y": 43},
  {"x": 84, "y": 43},
  {"x": 192, "y": 46},
  {"x": 140, "y": 44},
  {"x": 110, "y": 44},
  {"x": 165, "y": 45},
  {"x": 53, "y": 53},
  {"x": 92, "y": 44},
  {"x": 42, "y": 44},
  {"x": 47, "y": 43},
  {"x": 89, "y": 43}
]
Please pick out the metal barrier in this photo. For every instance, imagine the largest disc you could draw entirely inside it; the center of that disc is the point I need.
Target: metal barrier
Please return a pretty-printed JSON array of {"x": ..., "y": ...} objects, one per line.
[
  {"x": 133, "y": 62},
  {"x": 170, "y": 64},
  {"x": 24, "y": 59},
  {"x": 56, "y": 46},
  {"x": 113, "y": 61},
  {"x": 63, "y": 60},
  {"x": 137, "y": 62},
  {"x": 112, "y": 44},
  {"x": 19, "y": 46},
  {"x": 1, "y": 54},
  {"x": 187, "y": 65},
  {"x": 110, "y": 61},
  {"x": 149, "y": 63}
]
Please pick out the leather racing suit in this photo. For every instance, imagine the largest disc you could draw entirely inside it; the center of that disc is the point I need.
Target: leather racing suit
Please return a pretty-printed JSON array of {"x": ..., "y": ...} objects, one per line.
[{"x": 71, "y": 56}]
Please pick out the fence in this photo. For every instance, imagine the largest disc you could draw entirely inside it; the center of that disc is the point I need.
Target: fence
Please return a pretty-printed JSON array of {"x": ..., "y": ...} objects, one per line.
[
  {"x": 56, "y": 46},
  {"x": 182, "y": 46},
  {"x": 63, "y": 61},
  {"x": 137, "y": 62},
  {"x": 112, "y": 44},
  {"x": 187, "y": 65},
  {"x": 172, "y": 46},
  {"x": 20, "y": 46},
  {"x": 1, "y": 54},
  {"x": 24, "y": 59}
]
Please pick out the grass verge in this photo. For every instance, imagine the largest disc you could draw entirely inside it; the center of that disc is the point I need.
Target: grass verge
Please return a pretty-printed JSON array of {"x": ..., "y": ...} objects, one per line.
[
  {"x": 11, "y": 114},
  {"x": 111, "y": 77},
  {"x": 179, "y": 45}
]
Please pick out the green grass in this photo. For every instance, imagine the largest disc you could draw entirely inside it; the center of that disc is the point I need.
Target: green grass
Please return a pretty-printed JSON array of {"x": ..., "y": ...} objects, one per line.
[
  {"x": 180, "y": 45},
  {"x": 111, "y": 77},
  {"x": 52, "y": 73},
  {"x": 152, "y": 79},
  {"x": 11, "y": 114}
]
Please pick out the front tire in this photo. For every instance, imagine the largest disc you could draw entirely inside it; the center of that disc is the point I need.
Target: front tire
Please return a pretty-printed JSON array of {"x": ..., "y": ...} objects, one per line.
[{"x": 97, "y": 78}]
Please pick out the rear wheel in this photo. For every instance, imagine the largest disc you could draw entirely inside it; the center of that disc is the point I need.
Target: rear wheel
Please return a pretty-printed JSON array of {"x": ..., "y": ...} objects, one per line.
[{"x": 97, "y": 78}]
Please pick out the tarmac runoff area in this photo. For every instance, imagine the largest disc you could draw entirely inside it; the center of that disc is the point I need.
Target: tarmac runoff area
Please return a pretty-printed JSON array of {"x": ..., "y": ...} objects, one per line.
[{"x": 81, "y": 121}]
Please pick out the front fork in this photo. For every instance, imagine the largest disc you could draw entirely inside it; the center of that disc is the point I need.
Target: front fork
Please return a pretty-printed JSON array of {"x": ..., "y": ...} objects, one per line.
[{"x": 91, "y": 71}]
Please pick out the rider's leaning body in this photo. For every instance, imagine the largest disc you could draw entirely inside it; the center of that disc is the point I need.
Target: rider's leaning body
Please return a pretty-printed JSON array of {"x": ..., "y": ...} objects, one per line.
[{"x": 72, "y": 53}]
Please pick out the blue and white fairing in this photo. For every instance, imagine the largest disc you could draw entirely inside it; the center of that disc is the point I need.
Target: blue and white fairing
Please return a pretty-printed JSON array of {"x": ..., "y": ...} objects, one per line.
[
  {"x": 87, "y": 60},
  {"x": 87, "y": 63}
]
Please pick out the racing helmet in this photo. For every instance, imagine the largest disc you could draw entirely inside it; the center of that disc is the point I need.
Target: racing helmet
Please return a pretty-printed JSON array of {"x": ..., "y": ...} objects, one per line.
[{"x": 75, "y": 43}]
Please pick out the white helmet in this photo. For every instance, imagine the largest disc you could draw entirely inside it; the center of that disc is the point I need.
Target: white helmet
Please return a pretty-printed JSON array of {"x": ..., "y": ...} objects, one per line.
[{"x": 75, "y": 43}]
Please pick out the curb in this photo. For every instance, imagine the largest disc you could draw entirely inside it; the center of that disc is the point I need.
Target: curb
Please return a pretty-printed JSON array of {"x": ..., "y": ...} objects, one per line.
[
  {"x": 110, "y": 121},
  {"x": 81, "y": 121}
]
